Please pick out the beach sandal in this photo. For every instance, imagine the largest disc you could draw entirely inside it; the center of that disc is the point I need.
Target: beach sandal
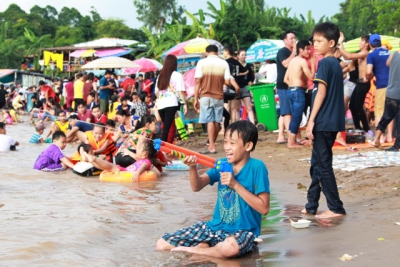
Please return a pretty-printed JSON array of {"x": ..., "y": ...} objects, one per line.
[{"x": 208, "y": 152}]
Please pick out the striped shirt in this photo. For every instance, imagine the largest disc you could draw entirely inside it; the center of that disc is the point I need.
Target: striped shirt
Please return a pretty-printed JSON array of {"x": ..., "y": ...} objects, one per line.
[
  {"x": 35, "y": 139},
  {"x": 213, "y": 71}
]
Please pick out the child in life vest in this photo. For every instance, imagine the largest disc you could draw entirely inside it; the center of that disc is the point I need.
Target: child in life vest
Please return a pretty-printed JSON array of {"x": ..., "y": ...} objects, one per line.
[
  {"x": 145, "y": 156},
  {"x": 101, "y": 141}
]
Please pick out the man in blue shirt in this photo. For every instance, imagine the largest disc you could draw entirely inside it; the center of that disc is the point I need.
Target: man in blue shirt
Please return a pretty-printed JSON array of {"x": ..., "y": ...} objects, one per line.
[
  {"x": 105, "y": 86},
  {"x": 376, "y": 65},
  {"x": 243, "y": 197}
]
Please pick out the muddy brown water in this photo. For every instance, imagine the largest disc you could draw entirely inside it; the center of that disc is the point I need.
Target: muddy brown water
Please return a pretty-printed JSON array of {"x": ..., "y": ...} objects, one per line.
[{"x": 61, "y": 219}]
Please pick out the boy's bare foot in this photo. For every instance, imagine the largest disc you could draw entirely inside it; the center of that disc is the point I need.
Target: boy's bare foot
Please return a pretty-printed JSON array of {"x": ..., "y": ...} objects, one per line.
[
  {"x": 304, "y": 211},
  {"x": 329, "y": 214},
  {"x": 295, "y": 145},
  {"x": 377, "y": 143},
  {"x": 186, "y": 249}
]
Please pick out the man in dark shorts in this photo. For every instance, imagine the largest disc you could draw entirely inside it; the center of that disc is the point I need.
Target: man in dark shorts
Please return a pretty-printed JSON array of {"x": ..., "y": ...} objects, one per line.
[
  {"x": 283, "y": 58},
  {"x": 105, "y": 86}
]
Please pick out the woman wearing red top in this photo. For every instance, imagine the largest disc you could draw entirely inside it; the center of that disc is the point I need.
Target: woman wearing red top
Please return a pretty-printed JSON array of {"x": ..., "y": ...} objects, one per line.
[
  {"x": 87, "y": 88},
  {"x": 146, "y": 85},
  {"x": 69, "y": 91},
  {"x": 47, "y": 91}
]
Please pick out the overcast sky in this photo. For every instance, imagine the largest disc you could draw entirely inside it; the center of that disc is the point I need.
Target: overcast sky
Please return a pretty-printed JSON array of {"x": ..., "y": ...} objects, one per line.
[{"x": 125, "y": 9}]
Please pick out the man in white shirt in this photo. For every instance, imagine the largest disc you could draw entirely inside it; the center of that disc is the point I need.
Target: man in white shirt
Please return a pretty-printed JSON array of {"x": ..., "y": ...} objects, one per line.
[{"x": 7, "y": 143}]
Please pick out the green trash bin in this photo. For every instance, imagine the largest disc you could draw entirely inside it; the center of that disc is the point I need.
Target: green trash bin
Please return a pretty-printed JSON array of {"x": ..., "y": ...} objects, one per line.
[{"x": 264, "y": 102}]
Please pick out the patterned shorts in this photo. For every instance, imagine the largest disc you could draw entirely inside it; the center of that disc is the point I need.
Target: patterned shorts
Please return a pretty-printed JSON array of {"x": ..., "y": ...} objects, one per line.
[{"x": 200, "y": 233}]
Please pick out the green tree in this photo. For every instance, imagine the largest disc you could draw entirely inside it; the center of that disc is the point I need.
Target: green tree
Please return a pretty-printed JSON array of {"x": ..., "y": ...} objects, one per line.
[
  {"x": 388, "y": 17},
  {"x": 356, "y": 18},
  {"x": 67, "y": 35},
  {"x": 49, "y": 13},
  {"x": 155, "y": 13},
  {"x": 35, "y": 45},
  {"x": 69, "y": 16},
  {"x": 113, "y": 28}
]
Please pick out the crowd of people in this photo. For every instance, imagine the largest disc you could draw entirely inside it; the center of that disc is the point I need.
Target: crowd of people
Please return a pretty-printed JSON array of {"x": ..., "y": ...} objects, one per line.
[{"x": 311, "y": 80}]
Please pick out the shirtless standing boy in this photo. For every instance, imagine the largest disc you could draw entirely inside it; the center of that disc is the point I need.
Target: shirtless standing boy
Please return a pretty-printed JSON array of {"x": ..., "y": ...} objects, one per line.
[
  {"x": 296, "y": 77},
  {"x": 363, "y": 84}
]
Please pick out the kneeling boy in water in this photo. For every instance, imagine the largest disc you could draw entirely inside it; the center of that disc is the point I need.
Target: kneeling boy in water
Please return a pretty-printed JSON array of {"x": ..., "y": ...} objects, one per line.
[
  {"x": 243, "y": 197},
  {"x": 7, "y": 143},
  {"x": 52, "y": 159}
]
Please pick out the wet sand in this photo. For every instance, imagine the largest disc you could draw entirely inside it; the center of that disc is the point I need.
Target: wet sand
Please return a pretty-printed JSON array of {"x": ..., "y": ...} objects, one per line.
[{"x": 63, "y": 220}]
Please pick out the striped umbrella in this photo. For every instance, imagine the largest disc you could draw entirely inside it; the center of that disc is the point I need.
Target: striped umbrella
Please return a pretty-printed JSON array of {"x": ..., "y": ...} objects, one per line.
[{"x": 352, "y": 45}]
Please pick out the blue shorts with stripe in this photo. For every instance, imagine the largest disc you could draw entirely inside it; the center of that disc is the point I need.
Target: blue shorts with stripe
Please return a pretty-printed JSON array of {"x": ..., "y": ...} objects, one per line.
[{"x": 201, "y": 233}]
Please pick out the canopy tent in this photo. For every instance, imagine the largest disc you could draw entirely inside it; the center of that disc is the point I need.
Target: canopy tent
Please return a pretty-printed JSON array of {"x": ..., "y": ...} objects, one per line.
[
  {"x": 263, "y": 49},
  {"x": 352, "y": 45},
  {"x": 109, "y": 63},
  {"x": 116, "y": 52},
  {"x": 107, "y": 42}
]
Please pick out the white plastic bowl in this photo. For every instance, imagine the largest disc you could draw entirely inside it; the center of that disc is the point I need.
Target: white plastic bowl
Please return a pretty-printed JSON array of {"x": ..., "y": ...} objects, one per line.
[{"x": 300, "y": 223}]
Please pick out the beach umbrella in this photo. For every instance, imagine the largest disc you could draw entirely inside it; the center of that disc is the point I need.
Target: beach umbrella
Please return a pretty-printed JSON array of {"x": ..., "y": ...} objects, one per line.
[
  {"x": 189, "y": 82},
  {"x": 110, "y": 63},
  {"x": 352, "y": 45},
  {"x": 263, "y": 49},
  {"x": 145, "y": 65},
  {"x": 193, "y": 46}
]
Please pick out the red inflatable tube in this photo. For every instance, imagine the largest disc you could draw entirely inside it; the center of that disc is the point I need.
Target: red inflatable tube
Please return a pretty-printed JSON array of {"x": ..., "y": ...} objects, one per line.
[
  {"x": 199, "y": 160},
  {"x": 188, "y": 152}
]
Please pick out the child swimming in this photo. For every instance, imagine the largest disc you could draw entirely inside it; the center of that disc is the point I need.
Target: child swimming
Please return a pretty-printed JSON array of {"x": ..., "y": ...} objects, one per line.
[{"x": 52, "y": 159}]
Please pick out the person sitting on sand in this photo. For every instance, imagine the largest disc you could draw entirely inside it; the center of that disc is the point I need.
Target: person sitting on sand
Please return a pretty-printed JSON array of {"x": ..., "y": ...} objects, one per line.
[
  {"x": 6, "y": 117},
  {"x": 7, "y": 143},
  {"x": 243, "y": 197},
  {"x": 101, "y": 141},
  {"x": 296, "y": 78},
  {"x": 326, "y": 120},
  {"x": 145, "y": 156},
  {"x": 52, "y": 159}
]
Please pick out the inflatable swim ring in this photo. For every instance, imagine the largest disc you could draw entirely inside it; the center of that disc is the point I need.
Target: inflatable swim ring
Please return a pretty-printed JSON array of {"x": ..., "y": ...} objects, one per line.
[
  {"x": 126, "y": 177},
  {"x": 177, "y": 165}
]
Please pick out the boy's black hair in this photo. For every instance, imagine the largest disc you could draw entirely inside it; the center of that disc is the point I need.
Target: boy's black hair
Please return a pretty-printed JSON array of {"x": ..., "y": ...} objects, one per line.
[
  {"x": 41, "y": 83},
  {"x": 148, "y": 118},
  {"x": 20, "y": 93},
  {"x": 140, "y": 75},
  {"x": 87, "y": 148},
  {"x": 301, "y": 45},
  {"x": 125, "y": 98},
  {"x": 95, "y": 106},
  {"x": 80, "y": 103},
  {"x": 60, "y": 111},
  {"x": 92, "y": 94},
  {"x": 329, "y": 30},
  {"x": 101, "y": 125},
  {"x": 122, "y": 112},
  {"x": 57, "y": 135},
  {"x": 34, "y": 97},
  {"x": 108, "y": 72},
  {"x": 110, "y": 123},
  {"x": 245, "y": 130},
  {"x": 229, "y": 49},
  {"x": 2, "y": 125},
  {"x": 284, "y": 35},
  {"x": 73, "y": 116},
  {"x": 212, "y": 49},
  {"x": 133, "y": 93},
  {"x": 142, "y": 96},
  {"x": 70, "y": 109}
]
